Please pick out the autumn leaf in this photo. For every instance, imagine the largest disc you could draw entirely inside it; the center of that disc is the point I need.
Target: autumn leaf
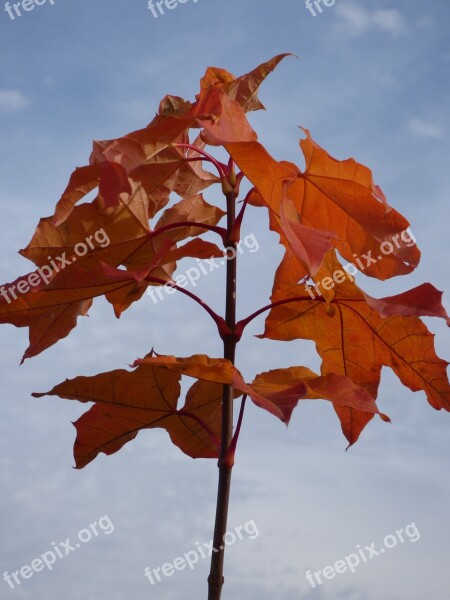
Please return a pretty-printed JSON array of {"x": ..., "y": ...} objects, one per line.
[
  {"x": 242, "y": 89},
  {"x": 355, "y": 340},
  {"x": 126, "y": 402},
  {"x": 113, "y": 182},
  {"x": 199, "y": 366},
  {"x": 309, "y": 245},
  {"x": 148, "y": 158},
  {"x": 147, "y": 397},
  {"x": 194, "y": 209},
  {"x": 126, "y": 220},
  {"x": 339, "y": 197},
  {"x": 122, "y": 236},
  {"x": 148, "y": 212},
  {"x": 51, "y": 309},
  {"x": 231, "y": 126},
  {"x": 424, "y": 301},
  {"x": 285, "y": 387},
  {"x": 145, "y": 159}
]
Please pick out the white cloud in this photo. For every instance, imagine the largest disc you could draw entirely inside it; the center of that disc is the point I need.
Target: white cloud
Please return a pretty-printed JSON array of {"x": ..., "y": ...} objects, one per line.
[
  {"x": 12, "y": 100},
  {"x": 425, "y": 129},
  {"x": 356, "y": 20},
  {"x": 389, "y": 20}
]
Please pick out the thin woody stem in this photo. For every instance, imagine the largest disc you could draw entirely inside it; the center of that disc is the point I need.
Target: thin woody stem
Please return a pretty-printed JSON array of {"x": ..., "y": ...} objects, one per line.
[
  {"x": 209, "y": 431},
  {"x": 229, "y": 459},
  {"x": 215, "y": 579},
  {"x": 215, "y": 229},
  {"x": 244, "y": 322},
  {"x": 219, "y": 321},
  {"x": 219, "y": 166}
]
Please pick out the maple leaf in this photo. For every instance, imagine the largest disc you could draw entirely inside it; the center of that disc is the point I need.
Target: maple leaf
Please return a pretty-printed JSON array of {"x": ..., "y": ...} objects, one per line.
[
  {"x": 191, "y": 208},
  {"x": 356, "y": 335},
  {"x": 129, "y": 401},
  {"x": 144, "y": 159},
  {"x": 338, "y": 197},
  {"x": 126, "y": 402},
  {"x": 242, "y": 89},
  {"x": 147, "y": 212},
  {"x": 309, "y": 245},
  {"x": 128, "y": 238},
  {"x": 285, "y": 387},
  {"x": 50, "y": 310}
]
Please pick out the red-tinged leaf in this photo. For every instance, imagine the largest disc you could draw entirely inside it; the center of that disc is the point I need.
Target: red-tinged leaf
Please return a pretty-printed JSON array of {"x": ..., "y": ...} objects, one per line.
[
  {"x": 129, "y": 401},
  {"x": 122, "y": 236},
  {"x": 122, "y": 298},
  {"x": 354, "y": 340},
  {"x": 285, "y": 387},
  {"x": 113, "y": 182},
  {"x": 116, "y": 238},
  {"x": 184, "y": 183},
  {"x": 82, "y": 181},
  {"x": 201, "y": 416},
  {"x": 353, "y": 422},
  {"x": 341, "y": 196},
  {"x": 199, "y": 366},
  {"x": 331, "y": 205},
  {"x": 290, "y": 269},
  {"x": 50, "y": 310},
  {"x": 147, "y": 159},
  {"x": 174, "y": 105},
  {"x": 145, "y": 156},
  {"x": 242, "y": 89},
  {"x": 54, "y": 325},
  {"x": 422, "y": 301},
  {"x": 215, "y": 370},
  {"x": 254, "y": 198},
  {"x": 192, "y": 208},
  {"x": 156, "y": 166},
  {"x": 266, "y": 174},
  {"x": 125, "y": 403},
  {"x": 112, "y": 235},
  {"x": 215, "y": 77},
  {"x": 310, "y": 245},
  {"x": 335, "y": 196},
  {"x": 231, "y": 126},
  {"x": 196, "y": 248}
]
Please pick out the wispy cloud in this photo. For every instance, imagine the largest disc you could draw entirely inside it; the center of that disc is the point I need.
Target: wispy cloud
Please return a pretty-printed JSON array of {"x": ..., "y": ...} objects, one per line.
[
  {"x": 12, "y": 101},
  {"x": 425, "y": 129},
  {"x": 138, "y": 109},
  {"x": 357, "y": 20}
]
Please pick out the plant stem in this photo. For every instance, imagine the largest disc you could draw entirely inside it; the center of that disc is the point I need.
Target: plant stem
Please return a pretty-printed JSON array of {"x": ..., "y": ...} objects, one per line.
[
  {"x": 244, "y": 322},
  {"x": 215, "y": 579},
  {"x": 219, "y": 321},
  {"x": 219, "y": 166},
  {"x": 219, "y": 230}
]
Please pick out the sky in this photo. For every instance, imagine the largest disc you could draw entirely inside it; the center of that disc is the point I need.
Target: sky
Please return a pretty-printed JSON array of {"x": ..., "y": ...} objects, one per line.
[{"x": 371, "y": 80}]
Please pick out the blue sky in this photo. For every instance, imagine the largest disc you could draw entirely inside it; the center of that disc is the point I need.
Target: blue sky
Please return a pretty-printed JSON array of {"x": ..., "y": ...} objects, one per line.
[{"x": 371, "y": 81}]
